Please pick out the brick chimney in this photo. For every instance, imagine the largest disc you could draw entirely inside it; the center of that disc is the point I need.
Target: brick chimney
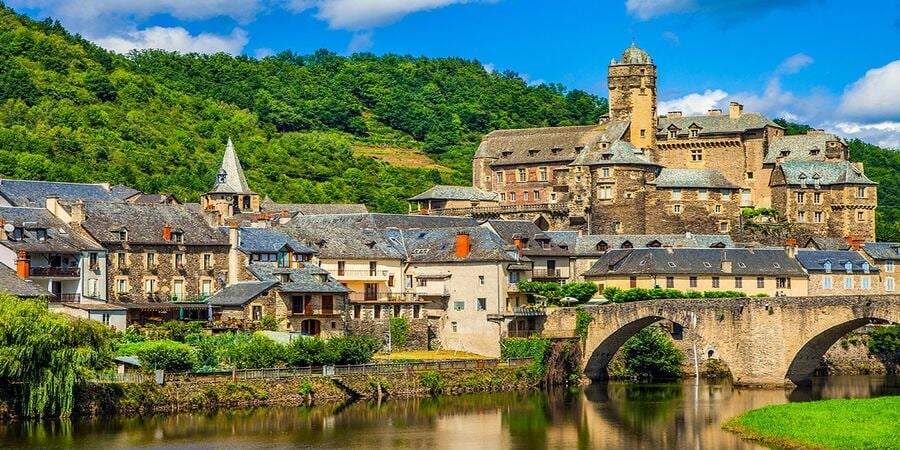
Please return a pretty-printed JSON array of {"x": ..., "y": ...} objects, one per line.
[
  {"x": 855, "y": 242},
  {"x": 726, "y": 263},
  {"x": 463, "y": 244},
  {"x": 234, "y": 238},
  {"x": 790, "y": 246},
  {"x": 77, "y": 212},
  {"x": 517, "y": 241},
  {"x": 735, "y": 110},
  {"x": 713, "y": 112},
  {"x": 673, "y": 114},
  {"x": 167, "y": 232},
  {"x": 23, "y": 265}
]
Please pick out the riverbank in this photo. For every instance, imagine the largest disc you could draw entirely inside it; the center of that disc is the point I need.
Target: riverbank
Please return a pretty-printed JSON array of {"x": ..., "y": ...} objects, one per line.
[{"x": 832, "y": 424}]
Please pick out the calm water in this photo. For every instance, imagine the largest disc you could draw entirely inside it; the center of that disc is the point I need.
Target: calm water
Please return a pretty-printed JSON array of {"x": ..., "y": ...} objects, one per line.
[{"x": 614, "y": 415}]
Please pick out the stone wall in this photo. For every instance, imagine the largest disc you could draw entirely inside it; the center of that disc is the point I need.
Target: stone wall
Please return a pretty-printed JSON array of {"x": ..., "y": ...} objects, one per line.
[
  {"x": 164, "y": 272},
  {"x": 416, "y": 339}
]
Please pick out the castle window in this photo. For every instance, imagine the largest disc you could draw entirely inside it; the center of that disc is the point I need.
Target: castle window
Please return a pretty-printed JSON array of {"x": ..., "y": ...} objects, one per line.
[
  {"x": 860, "y": 216},
  {"x": 605, "y": 172},
  {"x": 676, "y": 194},
  {"x": 695, "y": 133},
  {"x": 673, "y": 134},
  {"x": 604, "y": 192},
  {"x": 817, "y": 198},
  {"x": 525, "y": 196},
  {"x": 643, "y": 132},
  {"x": 718, "y": 209},
  {"x": 861, "y": 192},
  {"x": 500, "y": 177},
  {"x": 749, "y": 175},
  {"x": 723, "y": 227},
  {"x": 801, "y": 197},
  {"x": 523, "y": 176},
  {"x": 512, "y": 196},
  {"x": 676, "y": 209},
  {"x": 542, "y": 173},
  {"x": 702, "y": 194},
  {"x": 537, "y": 195},
  {"x": 696, "y": 154},
  {"x": 817, "y": 217},
  {"x": 801, "y": 216}
]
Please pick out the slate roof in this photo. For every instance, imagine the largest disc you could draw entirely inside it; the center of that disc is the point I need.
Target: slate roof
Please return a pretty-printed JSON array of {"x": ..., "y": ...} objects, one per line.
[
  {"x": 748, "y": 262},
  {"x": 720, "y": 124},
  {"x": 827, "y": 173},
  {"x": 145, "y": 223},
  {"x": 586, "y": 245},
  {"x": 618, "y": 153},
  {"x": 239, "y": 294},
  {"x": 814, "y": 260},
  {"x": 516, "y": 146},
  {"x": 34, "y": 194},
  {"x": 152, "y": 198},
  {"x": 444, "y": 192},
  {"x": 122, "y": 192},
  {"x": 439, "y": 245},
  {"x": 693, "y": 178},
  {"x": 303, "y": 279},
  {"x": 306, "y": 209},
  {"x": 882, "y": 250},
  {"x": 634, "y": 55},
  {"x": 567, "y": 238},
  {"x": 234, "y": 181},
  {"x": 11, "y": 284},
  {"x": 827, "y": 243},
  {"x": 60, "y": 237},
  {"x": 799, "y": 147},
  {"x": 267, "y": 240},
  {"x": 533, "y": 238}
]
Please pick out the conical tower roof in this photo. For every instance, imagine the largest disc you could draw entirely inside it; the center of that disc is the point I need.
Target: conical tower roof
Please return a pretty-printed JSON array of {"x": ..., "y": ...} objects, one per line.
[{"x": 230, "y": 177}]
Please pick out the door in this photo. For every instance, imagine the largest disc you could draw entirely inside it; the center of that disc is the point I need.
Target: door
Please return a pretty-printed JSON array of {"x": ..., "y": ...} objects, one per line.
[
  {"x": 307, "y": 304},
  {"x": 551, "y": 267},
  {"x": 257, "y": 312},
  {"x": 310, "y": 327},
  {"x": 327, "y": 304},
  {"x": 371, "y": 292}
]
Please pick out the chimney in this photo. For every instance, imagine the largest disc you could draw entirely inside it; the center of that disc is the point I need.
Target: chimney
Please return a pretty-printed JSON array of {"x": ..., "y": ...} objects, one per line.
[
  {"x": 815, "y": 132},
  {"x": 713, "y": 112},
  {"x": 790, "y": 246},
  {"x": 463, "y": 244},
  {"x": 23, "y": 265},
  {"x": 673, "y": 114},
  {"x": 234, "y": 238},
  {"x": 3, "y": 235},
  {"x": 77, "y": 212},
  {"x": 167, "y": 232},
  {"x": 726, "y": 263},
  {"x": 735, "y": 110},
  {"x": 855, "y": 242},
  {"x": 668, "y": 248}
]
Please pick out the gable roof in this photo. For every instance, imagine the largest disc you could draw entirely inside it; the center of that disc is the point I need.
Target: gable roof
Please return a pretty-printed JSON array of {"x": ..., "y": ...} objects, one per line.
[
  {"x": 306, "y": 209},
  {"x": 719, "y": 124},
  {"x": 535, "y": 145},
  {"x": 827, "y": 243},
  {"x": 239, "y": 294},
  {"x": 145, "y": 222},
  {"x": 11, "y": 284},
  {"x": 693, "y": 178},
  {"x": 267, "y": 240},
  {"x": 122, "y": 192},
  {"x": 587, "y": 245},
  {"x": 814, "y": 260},
  {"x": 532, "y": 238},
  {"x": 33, "y": 194},
  {"x": 439, "y": 245},
  {"x": 230, "y": 178},
  {"x": 303, "y": 279},
  {"x": 827, "y": 173},
  {"x": 445, "y": 192},
  {"x": 618, "y": 153},
  {"x": 60, "y": 237},
  {"x": 799, "y": 147},
  {"x": 749, "y": 262},
  {"x": 882, "y": 250}
]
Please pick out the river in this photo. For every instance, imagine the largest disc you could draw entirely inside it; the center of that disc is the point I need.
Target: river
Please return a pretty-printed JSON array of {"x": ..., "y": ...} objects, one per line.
[{"x": 676, "y": 415}]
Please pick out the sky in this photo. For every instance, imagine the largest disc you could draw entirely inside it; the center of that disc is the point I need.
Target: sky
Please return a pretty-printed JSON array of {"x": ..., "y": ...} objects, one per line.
[{"x": 828, "y": 63}]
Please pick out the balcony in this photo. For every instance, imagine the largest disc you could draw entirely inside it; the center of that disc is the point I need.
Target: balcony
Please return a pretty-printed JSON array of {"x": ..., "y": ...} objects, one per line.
[
  {"x": 58, "y": 272},
  {"x": 383, "y": 297},
  {"x": 526, "y": 311},
  {"x": 549, "y": 273},
  {"x": 512, "y": 287},
  {"x": 441, "y": 290},
  {"x": 67, "y": 298},
  {"x": 361, "y": 274}
]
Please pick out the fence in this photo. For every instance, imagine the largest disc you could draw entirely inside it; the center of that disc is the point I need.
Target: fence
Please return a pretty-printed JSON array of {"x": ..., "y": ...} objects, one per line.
[{"x": 290, "y": 372}]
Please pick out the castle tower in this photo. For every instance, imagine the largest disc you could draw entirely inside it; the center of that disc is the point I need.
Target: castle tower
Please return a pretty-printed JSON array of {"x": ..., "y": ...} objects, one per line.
[
  {"x": 230, "y": 194},
  {"x": 632, "y": 95}
]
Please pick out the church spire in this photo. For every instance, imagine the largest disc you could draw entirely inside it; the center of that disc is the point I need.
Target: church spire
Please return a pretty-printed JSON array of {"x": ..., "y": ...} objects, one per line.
[{"x": 230, "y": 177}]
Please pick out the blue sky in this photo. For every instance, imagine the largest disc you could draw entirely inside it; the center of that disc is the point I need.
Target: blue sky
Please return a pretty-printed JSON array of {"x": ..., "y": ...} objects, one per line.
[{"x": 833, "y": 64}]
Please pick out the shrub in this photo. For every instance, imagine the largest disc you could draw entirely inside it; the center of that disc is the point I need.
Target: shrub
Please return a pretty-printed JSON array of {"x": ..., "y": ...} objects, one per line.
[
  {"x": 257, "y": 352},
  {"x": 307, "y": 351},
  {"x": 553, "y": 292},
  {"x": 884, "y": 339},
  {"x": 583, "y": 320},
  {"x": 534, "y": 348},
  {"x": 166, "y": 355},
  {"x": 611, "y": 292},
  {"x": 432, "y": 381},
  {"x": 582, "y": 291},
  {"x": 268, "y": 323},
  {"x": 639, "y": 294},
  {"x": 650, "y": 354},
  {"x": 724, "y": 294},
  {"x": 178, "y": 331},
  {"x": 351, "y": 349},
  {"x": 399, "y": 332}
]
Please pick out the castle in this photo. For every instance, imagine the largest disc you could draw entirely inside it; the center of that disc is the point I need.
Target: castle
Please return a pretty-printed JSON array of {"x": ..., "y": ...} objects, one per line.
[{"x": 637, "y": 172}]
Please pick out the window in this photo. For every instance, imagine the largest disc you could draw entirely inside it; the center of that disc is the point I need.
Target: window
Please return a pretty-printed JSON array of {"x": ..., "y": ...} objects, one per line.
[
  {"x": 481, "y": 280},
  {"x": 865, "y": 282},
  {"x": 617, "y": 226},
  {"x": 738, "y": 282},
  {"x": 422, "y": 282},
  {"x": 149, "y": 286},
  {"x": 453, "y": 326},
  {"x": 376, "y": 311},
  {"x": 801, "y": 196},
  {"x": 695, "y": 133},
  {"x": 537, "y": 195},
  {"x": 105, "y": 319},
  {"x": 373, "y": 268},
  {"x": 848, "y": 266},
  {"x": 801, "y": 216},
  {"x": 673, "y": 134},
  {"x": 826, "y": 282},
  {"x": 92, "y": 290},
  {"x": 257, "y": 313},
  {"x": 817, "y": 198},
  {"x": 121, "y": 260},
  {"x": 522, "y": 176},
  {"x": 500, "y": 177},
  {"x": 718, "y": 209},
  {"x": 848, "y": 282},
  {"x": 643, "y": 132},
  {"x": 726, "y": 195},
  {"x": 341, "y": 268},
  {"x": 715, "y": 282},
  {"x": 861, "y": 192},
  {"x": 604, "y": 192},
  {"x": 121, "y": 235},
  {"x": 676, "y": 209},
  {"x": 178, "y": 236},
  {"x": 122, "y": 286},
  {"x": 783, "y": 283},
  {"x": 207, "y": 261},
  {"x": 702, "y": 194},
  {"x": 760, "y": 282},
  {"x": 93, "y": 261},
  {"x": 542, "y": 173},
  {"x": 692, "y": 282},
  {"x": 602, "y": 246},
  {"x": 357, "y": 311},
  {"x": 889, "y": 266},
  {"x": 416, "y": 311},
  {"x": 860, "y": 216},
  {"x": 41, "y": 234},
  {"x": 503, "y": 196},
  {"x": 178, "y": 289},
  {"x": 206, "y": 287},
  {"x": 459, "y": 306},
  {"x": 632, "y": 282},
  {"x": 696, "y": 154},
  {"x": 512, "y": 196},
  {"x": 889, "y": 284},
  {"x": 284, "y": 277},
  {"x": 525, "y": 196},
  {"x": 605, "y": 172},
  {"x": 817, "y": 217},
  {"x": 396, "y": 310},
  {"x": 670, "y": 282},
  {"x": 749, "y": 175},
  {"x": 553, "y": 197},
  {"x": 676, "y": 194},
  {"x": 151, "y": 260},
  {"x": 481, "y": 304},
  {"x": 865, "y": 267},
  {"x": 179, "y": 260}
]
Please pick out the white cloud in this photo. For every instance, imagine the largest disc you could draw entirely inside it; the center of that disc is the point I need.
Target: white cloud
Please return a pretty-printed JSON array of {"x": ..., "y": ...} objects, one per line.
[
  {"x": 672, "y": 38},
  {"x": 694, "y": 104},
  {"x": 648, "y": 9},
  {"x": 175, "y": 39},
  {"x": 730, "y": 9},
  {"x": 263, "y": 52},
  {"x": 884, "y": 134},
  {"x": 794, "y": 63},
  {"x": 360, "y": 42},
  {"x": 874, "y": 96},
  {"x": 488, "y": 67},
  {"x": 366, "y": 14}
]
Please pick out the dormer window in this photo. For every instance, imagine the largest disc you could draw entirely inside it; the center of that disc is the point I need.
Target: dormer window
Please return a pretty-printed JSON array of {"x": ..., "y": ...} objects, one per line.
[
  {"x": 18, "y": 234},
  {"x": 533, "y": 152},
  {"x": 695, "y": 133},
  {"x": 785, "y": 153},
  {"x": 602, "y": 246},
  {"x": 120, "y": 235},
  {"x": 848, "y": 266},
  {"x": 814, "y": 152},
  {"x": 220, "y": 177},
  {"x": 555, "y": 151},
  {"x": 41, "y": 234},
  {"x": 178, "y": 236},
  {"x": 284, "y": 277},
  {"x": 606, "y": 156},
  {"x": 506, "y": 154},
  {"x": 627, "y": 244},
  {"x": 323, "y": 278},
  {"x": 827, "y": 266},
  {"x": 865, "y": 267},
  {"x": 673, "y": 134}
]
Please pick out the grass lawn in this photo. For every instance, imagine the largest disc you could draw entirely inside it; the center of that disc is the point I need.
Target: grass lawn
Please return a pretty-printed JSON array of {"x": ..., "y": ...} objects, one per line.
[
  {"x": 828, "y": 424},
  {"x": 428, "y": 355}
]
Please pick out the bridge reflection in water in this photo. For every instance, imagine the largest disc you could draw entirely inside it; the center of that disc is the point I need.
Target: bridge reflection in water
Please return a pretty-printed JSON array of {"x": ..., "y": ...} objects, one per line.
[{"x": 603, "y": 415}]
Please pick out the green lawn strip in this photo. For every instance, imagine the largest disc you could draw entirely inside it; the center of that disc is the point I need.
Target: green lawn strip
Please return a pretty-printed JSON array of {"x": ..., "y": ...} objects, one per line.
[{"x": 828, "y": 424}]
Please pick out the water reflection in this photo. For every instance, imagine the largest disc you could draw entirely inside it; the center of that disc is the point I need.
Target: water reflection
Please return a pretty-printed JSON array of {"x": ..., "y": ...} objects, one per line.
[{"x": 613, "y": 415}]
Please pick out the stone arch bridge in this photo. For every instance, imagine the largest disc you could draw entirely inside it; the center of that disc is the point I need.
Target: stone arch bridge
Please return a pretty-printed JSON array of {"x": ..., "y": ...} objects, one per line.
[{"x": 762, "y": 340}]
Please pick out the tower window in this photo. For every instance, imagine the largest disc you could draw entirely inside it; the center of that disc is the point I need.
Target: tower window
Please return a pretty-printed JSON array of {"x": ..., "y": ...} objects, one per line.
[
  {"x": 696, "y": 154},
  {"x": 673, "y": 134},
  {"x": 643, "y": 132},
  {"x": 695, "y": 133}
]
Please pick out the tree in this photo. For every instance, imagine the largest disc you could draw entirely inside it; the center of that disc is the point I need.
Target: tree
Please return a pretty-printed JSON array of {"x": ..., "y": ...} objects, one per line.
[{"x": 650, "y": 354}]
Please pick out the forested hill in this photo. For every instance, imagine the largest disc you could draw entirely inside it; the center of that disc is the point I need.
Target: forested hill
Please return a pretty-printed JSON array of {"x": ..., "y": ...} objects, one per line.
[{"x": 308, "y": 128}]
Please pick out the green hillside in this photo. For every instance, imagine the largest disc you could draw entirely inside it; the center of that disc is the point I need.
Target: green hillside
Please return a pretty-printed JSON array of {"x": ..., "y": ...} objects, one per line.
[{"x": 309, "y": 128}]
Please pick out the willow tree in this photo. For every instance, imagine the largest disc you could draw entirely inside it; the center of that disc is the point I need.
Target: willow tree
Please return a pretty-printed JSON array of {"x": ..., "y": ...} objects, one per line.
[{"x": 45, "y": 355}]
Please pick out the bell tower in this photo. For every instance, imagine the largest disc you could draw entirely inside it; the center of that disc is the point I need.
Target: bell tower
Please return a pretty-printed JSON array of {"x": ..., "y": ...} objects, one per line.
[{"x": 632, "y": 95}]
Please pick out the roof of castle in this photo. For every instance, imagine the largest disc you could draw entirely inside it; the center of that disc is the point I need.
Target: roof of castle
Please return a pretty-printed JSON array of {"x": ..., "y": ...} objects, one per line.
[
  {"x": 619, "y": 153},
  {"x": 715, "y": 124},
  {"x": 745, "y": 261},
  {"x": 234, "y": 180},
  {"x": 445, "y": 192},
  {"x": 814, "y": 260},
  {"x": 799, "y": 147},
  {"x": 634, "y": 55},
  {"x": 551, "y": 144},
  {"x": 60, "y": 237},
  {"x": 827, "y": 173},
  {"x": 33, "y": 194},
  {"x": 145, "y": 222},
  {"x": 693, "y": 178}
]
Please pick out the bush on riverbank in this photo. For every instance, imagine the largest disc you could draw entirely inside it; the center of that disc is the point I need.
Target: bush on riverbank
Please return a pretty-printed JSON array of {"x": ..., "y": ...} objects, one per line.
[
  {"x": 650, "y": 354},
  {"x": 553, "y": 362},
  {"x": 884, "y": 339},
  {"x": 837, "y": 424},
  {"x": 618, "y": 295}
]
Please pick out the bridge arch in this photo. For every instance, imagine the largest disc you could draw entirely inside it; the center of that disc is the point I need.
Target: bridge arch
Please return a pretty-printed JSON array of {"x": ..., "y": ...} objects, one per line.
[{"x": 805, "y": 362}]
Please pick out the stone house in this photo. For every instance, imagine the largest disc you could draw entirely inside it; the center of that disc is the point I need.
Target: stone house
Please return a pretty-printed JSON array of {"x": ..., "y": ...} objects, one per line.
[
  {"x": 885, "y": 255},
  {"x": 840, "y": 272},
  {"x": 752, "y": 271},
  {"x": 442, "y": 197},
  {"x": 262, "y": 245},
  {"x": 550, "y": 258}
]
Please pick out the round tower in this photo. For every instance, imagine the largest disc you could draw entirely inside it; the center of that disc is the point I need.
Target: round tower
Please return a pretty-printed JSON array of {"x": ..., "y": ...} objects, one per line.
[{"x": 632, "y": 95}]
